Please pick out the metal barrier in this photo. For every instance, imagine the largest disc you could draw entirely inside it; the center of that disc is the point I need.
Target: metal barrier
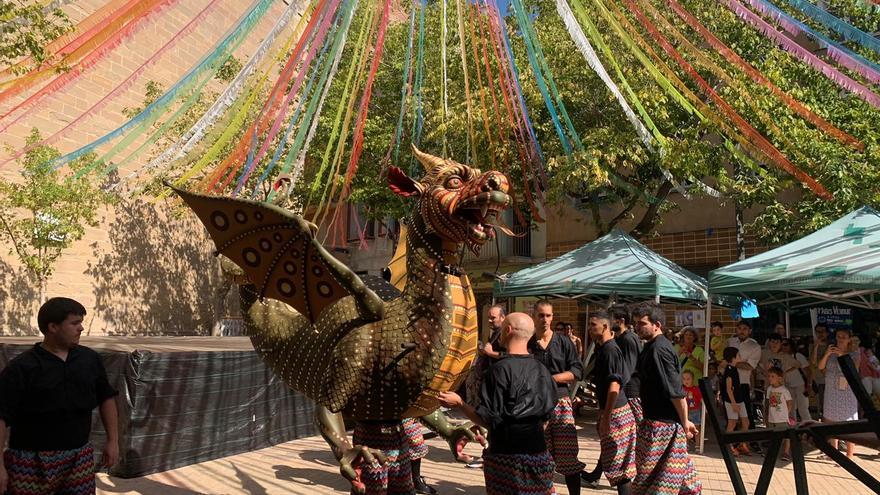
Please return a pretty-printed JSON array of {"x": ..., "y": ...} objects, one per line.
[{"x": 818, "y": 433}]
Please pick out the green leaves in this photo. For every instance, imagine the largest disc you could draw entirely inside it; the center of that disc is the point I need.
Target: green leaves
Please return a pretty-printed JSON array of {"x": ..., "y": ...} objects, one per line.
[{"x": 25, "y": 30}]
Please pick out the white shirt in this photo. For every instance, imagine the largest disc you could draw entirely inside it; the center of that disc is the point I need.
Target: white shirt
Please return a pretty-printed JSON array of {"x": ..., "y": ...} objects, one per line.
[
  {"x": 749, "y": 352},
  {"x": 777, "y": 404}
]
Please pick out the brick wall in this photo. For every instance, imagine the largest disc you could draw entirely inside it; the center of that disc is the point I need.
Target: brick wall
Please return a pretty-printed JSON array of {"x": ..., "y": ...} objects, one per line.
[{"x": 144, "y": 269}]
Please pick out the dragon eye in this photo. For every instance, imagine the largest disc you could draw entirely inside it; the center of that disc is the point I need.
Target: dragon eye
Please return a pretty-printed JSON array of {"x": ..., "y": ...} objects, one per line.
[{"x": 453, "y": 182}]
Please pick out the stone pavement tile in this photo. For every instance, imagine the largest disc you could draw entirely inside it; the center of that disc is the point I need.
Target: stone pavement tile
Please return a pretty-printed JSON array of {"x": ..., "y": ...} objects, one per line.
[{"x": 306, "y": 467}]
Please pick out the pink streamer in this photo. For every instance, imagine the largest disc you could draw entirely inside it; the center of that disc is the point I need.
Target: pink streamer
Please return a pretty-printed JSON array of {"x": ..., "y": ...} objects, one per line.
[
  {"x": 839, "y": 56},
  {"x": 186, "y": 30},
  {"x": 800, "y": 52},
  {"x": 285, "y": 105}
]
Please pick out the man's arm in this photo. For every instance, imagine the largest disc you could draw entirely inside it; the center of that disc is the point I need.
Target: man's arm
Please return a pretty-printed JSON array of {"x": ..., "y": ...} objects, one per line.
[
  {"x": 110, "y": 419},
  {"x": 564, "y": 378},
  {"x": 4, "y": 477},
  {"x": 728, "y": 385},
  {"x": 610, "y": 399},
  {"x": 489, "y": 351}
]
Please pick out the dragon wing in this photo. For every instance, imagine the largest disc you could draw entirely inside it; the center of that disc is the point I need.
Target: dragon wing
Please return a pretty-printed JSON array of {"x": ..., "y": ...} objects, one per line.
[{"x": 280, "y": 256}]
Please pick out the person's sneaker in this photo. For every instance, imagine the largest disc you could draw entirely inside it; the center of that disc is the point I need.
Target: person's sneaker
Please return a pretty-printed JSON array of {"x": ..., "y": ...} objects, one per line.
[
  {"x": 422, "y": 488},
  {"x": 592, "y": 485},
  {"x": 475, "y": 463},
  {"x": 587, "y": 477}
]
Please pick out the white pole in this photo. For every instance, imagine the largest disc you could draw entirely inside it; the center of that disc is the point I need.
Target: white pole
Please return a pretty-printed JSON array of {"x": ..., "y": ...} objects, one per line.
[
  {"x": 707, "y": 344},
  {"x": 787, "y": 324}
]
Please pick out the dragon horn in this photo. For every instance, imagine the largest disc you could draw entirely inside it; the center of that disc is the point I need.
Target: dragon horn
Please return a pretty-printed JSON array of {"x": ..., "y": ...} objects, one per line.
[{"x": 427, "y": 161}]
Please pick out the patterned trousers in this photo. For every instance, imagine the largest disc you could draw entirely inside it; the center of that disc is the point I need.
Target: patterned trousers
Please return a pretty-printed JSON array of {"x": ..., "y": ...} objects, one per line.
[
  {"x": 519, "y": 474},
  {"x": 635, "y": 404},
  {"x": 618, "y": 455},
  {"x": 58, "y": 472},
  {"x": 663, "y": 466},
  {"x": 561, "y": 437},
  {"x": 395, "y": 477},
  {"x": 412, "y": 431}
]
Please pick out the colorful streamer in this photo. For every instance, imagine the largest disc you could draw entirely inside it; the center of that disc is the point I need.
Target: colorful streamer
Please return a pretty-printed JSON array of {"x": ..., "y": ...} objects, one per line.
[
  {"x": 65, "y": 43},
  {"x": 755, "y": 138},
  {"x": 802, "y": 53},
  {"x": 848, "y": 31},
  {"x": 124, "y": 85},
  {"x": 87, "y": 55},
  {"x": 194, "y": 134},
  {"x": 444, "y": 93},
  {"x": 733, "y": 58},
  {"x": 467, "y": 86},
  {"x": 406, "y": 85},
  {"x": 837, "y": 52},
  {"x": 244, "y": 26}
]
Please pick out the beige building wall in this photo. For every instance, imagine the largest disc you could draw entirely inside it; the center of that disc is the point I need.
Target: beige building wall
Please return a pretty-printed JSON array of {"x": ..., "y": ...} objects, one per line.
[{"x": 146, "y": 269}]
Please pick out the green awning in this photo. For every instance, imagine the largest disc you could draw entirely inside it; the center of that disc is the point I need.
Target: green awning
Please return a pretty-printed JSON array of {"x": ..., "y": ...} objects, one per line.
[
  {"x": 837, "y": 264},
  {"x": 613, "y": 265}
]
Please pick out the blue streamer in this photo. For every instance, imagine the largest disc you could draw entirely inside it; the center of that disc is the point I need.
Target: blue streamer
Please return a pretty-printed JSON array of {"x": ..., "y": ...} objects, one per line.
[
  {"x": 420, "y": 62},
  {"x": 522, "y": 102},
  {"x": 244, "y": 25},
  {"x": 406, "y": 71},
  {"x": 848, "y": 31},
  {"x": 820, "y": 39},
  {"x": 539, "y": 78}
]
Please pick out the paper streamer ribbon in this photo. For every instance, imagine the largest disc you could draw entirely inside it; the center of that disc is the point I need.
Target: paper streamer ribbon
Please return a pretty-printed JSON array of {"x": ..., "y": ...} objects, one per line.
[
  {"x": 406, "y": 85},
  {"x": 124, "y": 85},
  {"x": 317, "y": 42},
  {"x": 848, "y": 31},
  {"x": 756, "y": 140},
  {"x": 87, "y": 55},
  {"x": 484, "y": 113},
  {"x": 310, "y": 120},
  {"x": 802, "y": 53},
  {"x": 65, "y": 43},
  {"x": 467, "y": 86},
  {"x": 242, "y": 28},
  {"x": 194, "y": 134},
  {"x": 733, "y": 58},
  {"x": 444, "y": 93},
  {"x": 837, "y": 52}
]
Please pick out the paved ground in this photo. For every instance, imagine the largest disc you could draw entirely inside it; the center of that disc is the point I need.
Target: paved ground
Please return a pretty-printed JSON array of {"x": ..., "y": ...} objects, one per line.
[{"x": 306, "y": 466}]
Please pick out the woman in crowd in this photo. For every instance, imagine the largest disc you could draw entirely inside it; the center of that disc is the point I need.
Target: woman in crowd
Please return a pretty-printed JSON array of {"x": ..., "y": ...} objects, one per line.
[
  {"x": 840, "y": 401},
  {"x": 690, "y": 355}
]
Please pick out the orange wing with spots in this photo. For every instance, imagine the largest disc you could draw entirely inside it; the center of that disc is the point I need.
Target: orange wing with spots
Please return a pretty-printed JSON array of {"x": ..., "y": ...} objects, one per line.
[{"x": 278, "y": 253}]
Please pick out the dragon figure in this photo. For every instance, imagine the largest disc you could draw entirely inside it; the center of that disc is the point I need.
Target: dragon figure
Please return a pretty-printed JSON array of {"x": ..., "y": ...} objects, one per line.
[{"x": 329, "y": 335}]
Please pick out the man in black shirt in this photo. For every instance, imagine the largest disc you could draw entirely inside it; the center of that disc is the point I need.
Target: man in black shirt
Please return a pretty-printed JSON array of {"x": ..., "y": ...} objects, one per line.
[
  {"x": 630, "y": 345},
  {"x": 518, "y": 394},
  {"x": 559, "y": 355},
  {"x": 663, "y": 465},
  {"x": 488, "y": 354},
  {"x": 617, "y": 425},
  {"x": 47, "y": 395}
]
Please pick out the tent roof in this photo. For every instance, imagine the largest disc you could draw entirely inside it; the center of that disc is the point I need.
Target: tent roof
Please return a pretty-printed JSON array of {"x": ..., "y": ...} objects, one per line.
[
  {"x": 615, "y": 264},
  {"x": 838, "y": 263}
]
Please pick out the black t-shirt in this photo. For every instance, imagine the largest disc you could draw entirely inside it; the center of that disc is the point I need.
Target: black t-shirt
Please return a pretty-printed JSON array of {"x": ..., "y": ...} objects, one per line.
[
  {"x": 610, "y": 367},
  {"x": 660, "y": 375},
  {"x": 732, "y": 373},
  {"x": 630, "y": 345},
  {"x": 517, "y": 396},
  {"x": 560, "y": 356},
  {"x": 48, "y": 402}
]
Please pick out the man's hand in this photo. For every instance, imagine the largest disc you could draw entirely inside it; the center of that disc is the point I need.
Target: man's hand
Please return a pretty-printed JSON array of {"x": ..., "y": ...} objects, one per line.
[
  {"x": 603, "y": 425},
  {"x": 487, "y": 350},
  {"x": 4, "y": 478},
  {"x": 450, "y": 399},
  {"x": 111, "y": 455},
  {"x": 690, "y": 429}
]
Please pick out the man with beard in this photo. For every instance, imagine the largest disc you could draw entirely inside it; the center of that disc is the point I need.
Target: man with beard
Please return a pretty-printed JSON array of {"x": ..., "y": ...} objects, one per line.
[{"x": 663, "y": 466}]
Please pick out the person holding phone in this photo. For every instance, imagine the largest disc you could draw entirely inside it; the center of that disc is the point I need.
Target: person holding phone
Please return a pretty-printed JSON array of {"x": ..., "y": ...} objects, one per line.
[{"x": 840, "y": 401}]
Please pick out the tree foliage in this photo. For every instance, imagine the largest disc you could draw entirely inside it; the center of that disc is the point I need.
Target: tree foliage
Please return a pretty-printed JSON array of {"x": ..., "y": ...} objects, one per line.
[
  {"x": 25, "y": 30},
  {"x": 47, "y": 211}
]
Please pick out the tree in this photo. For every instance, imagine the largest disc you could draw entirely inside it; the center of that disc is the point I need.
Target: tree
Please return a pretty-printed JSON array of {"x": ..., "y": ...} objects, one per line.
[
  {"x": 25, "y": 30},
  {"x": 47, "y": 211}
]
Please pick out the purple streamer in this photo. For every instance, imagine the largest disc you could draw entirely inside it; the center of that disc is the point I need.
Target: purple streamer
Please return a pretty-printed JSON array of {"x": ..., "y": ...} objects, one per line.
[
  {"x": 803, "y": 54},
  {"x": 835, "y": 52}
]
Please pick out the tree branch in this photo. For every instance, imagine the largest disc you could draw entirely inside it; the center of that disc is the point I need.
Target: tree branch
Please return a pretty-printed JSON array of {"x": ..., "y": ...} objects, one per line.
[
  {"x": 620, "y": 216},
  {"x": 649, "y": 219},
  {"x": 12, "y": 238}
]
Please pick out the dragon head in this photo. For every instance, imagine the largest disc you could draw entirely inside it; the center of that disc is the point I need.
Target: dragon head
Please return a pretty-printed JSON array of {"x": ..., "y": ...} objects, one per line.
[{"x": 457, "y": 203}]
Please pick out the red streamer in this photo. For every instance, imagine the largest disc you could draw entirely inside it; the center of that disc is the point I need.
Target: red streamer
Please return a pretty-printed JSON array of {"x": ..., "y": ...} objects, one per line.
[
  {"x": 754, "y": 137},
  {"x": 759, "y": 78}
]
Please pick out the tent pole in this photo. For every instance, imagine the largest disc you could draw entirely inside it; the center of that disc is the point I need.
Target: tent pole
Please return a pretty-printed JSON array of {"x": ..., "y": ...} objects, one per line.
[
  {"x": 706, "y": 346},
  {"x": 787, "y": 324}
]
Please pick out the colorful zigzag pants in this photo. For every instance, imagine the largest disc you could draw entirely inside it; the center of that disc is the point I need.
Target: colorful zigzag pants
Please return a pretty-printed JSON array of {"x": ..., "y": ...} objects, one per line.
[
  {"x": 663, "y": 466},
  {"x": 60, "y": 472}
]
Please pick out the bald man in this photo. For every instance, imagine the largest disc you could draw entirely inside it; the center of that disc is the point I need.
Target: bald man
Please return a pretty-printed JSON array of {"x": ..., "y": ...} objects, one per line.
[{"x": 517, "y": 396}]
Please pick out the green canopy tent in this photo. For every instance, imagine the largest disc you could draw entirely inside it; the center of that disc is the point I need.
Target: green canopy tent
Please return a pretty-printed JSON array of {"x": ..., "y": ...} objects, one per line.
[
  {"x": 615, "y": 266},
  {"x": 836, "y": 264}
]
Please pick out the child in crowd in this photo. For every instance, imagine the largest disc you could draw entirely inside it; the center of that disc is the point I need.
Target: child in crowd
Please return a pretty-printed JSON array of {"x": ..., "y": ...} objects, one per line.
[
  {"x": 780, "y": 406},
  {"x": 718, "y": 343},
  {"x": 734, "y": 402},
  {"x": 694, "y": 400},
  {"x": 712, "y": 377}
]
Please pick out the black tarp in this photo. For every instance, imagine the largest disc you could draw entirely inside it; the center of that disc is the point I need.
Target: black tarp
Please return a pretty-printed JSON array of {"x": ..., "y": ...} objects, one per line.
[{"x": 179, "y": 407}]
